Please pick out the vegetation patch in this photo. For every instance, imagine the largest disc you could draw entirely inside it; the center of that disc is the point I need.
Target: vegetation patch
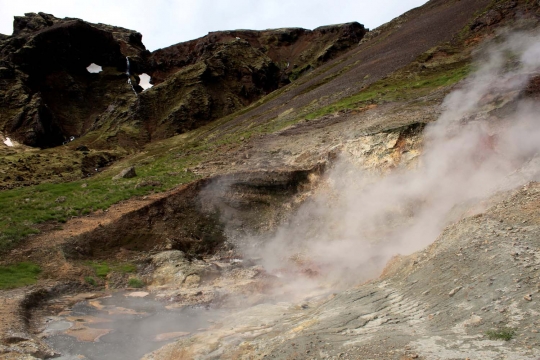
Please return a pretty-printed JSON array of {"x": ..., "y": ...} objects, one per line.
[
  {"x": 135, "y": 283},
  {"x": 23, "y": 208},
  {"x": 127, "y": 268},
  {"x": 504, "y": 333},
  {"x": 102, "y": 269},
  {"x": 21, "y": 274},
  {"x": 90, "y": 280},
  {"x": 399, "y": 88}
]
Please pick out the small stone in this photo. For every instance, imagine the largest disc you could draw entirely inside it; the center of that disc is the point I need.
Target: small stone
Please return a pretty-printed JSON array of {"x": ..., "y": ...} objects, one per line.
[
  {"x": 60, "y": 199},
  {"x": 454, "y": 291},
  {"x": 528, "y": 297},
  {"x": 137, "y": 294},
  {"x": 127, "y": 173},
  {"x": 84, "y": 185}
]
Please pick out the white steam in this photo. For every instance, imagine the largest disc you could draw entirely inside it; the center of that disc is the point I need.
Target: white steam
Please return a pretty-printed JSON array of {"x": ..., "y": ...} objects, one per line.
[{"x": 354, "y": 225}]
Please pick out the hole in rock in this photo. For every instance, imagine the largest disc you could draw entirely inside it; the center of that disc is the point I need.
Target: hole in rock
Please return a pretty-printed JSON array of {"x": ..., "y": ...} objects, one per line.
[
  {"x": 145, "y": 81},
  {"x": 8, "y": 142},
  {"x": 94, "y": 68}
]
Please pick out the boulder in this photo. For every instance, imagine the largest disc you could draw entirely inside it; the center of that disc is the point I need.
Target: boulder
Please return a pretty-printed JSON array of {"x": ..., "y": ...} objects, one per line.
[{"x": 127, "y": 173}]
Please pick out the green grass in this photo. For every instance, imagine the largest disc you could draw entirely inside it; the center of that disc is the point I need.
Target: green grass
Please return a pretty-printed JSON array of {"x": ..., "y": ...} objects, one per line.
[
  {"x": 401, "y": 89},
  {"x": 504, "y": 333},
  {"x": 90, "y": 280},
  {"x": 135, "y": 283},
  {"x": 21, "y": 274},
  {"x": 23, "y": 208},
  {"x": 102, "y": 269},
  {"x": 127, "y": 268}
]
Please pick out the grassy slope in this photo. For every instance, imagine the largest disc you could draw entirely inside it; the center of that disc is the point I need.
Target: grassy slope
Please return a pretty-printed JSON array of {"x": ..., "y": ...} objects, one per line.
[
  {"x": 165, "y": 162},
  {"x": 17, "y": 275},
  {"x": 24, "y": 207}
]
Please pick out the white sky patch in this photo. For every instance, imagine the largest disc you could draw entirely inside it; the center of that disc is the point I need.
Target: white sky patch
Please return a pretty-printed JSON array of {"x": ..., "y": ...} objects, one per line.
[
  {"x": 145, "y": 81},
  {"x": 8, "y": 142},
  {"x": 94, "y": 69},
  {"x": 167, "y": 22}
]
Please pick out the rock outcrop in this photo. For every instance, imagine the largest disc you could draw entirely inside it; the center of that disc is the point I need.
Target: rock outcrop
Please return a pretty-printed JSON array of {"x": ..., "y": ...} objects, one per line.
[
  {"x": 48, "y": 97},
  {"x": 293, "y": 50},
  {"x": 218, "y": 74},
  {"x": 47, "y": 94}
]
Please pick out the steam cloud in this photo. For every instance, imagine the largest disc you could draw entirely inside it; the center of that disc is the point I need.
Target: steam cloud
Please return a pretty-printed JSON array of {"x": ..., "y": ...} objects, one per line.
[{"x": 357, "y": 222}]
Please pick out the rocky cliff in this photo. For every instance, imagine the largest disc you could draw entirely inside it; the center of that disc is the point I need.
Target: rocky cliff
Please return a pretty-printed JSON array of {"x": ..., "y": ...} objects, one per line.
[
  {"x": 47, "y": 93},
  {"x": 48, "y": 96}
]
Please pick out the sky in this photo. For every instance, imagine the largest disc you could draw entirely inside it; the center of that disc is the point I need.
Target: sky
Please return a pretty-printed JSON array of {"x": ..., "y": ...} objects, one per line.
[{"x": 167, "y": 22}]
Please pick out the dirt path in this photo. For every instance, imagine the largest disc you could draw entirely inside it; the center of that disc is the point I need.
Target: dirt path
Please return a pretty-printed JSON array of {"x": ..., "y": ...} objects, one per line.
[
  {"x": 46, "y": 250},
  {"x": 52, "y": 236}
]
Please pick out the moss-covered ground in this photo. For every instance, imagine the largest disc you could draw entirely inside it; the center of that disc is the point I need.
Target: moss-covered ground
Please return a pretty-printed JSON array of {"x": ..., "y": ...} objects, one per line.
[
  {"x": 21, "y": 274},
  {"x": 23, "y": 208}
]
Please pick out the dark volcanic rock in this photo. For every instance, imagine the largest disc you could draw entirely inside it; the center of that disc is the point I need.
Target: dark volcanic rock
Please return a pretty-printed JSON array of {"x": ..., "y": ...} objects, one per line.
[
  {"x": 290, "y": 49},
  {"x": 228, "y": 77},
  {"x": 218, "y": 74},
  {"x": 127, "y": 173},
  {"x": 47, "y": 95}
]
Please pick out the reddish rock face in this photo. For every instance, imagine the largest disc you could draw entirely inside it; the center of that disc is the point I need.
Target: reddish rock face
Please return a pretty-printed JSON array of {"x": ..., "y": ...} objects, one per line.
[{"x": 291, "y": 49}]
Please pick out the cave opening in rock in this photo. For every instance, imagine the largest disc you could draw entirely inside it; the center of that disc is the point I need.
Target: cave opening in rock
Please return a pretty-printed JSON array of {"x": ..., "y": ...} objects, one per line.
[
  {"x": 94, "y": 68},
  {"x": 145, "y": 81}
]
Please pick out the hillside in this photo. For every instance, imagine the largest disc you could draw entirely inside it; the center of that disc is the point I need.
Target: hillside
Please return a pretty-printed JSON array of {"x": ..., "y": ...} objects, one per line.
[
  {"x": 338, "y": 193},
  {"x": 49, "y": 96}
]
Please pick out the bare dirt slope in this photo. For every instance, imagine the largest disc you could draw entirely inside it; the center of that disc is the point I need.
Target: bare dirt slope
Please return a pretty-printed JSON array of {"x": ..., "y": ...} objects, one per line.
[{"x": 420, "y": 29}]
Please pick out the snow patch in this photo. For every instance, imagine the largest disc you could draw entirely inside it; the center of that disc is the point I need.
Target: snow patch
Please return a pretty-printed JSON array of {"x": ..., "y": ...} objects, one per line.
[{"x": 145, "y": 81}]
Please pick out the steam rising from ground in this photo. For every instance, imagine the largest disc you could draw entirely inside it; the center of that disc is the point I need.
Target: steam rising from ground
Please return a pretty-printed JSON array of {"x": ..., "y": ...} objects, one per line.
[{"x": 357, "y": 222}]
